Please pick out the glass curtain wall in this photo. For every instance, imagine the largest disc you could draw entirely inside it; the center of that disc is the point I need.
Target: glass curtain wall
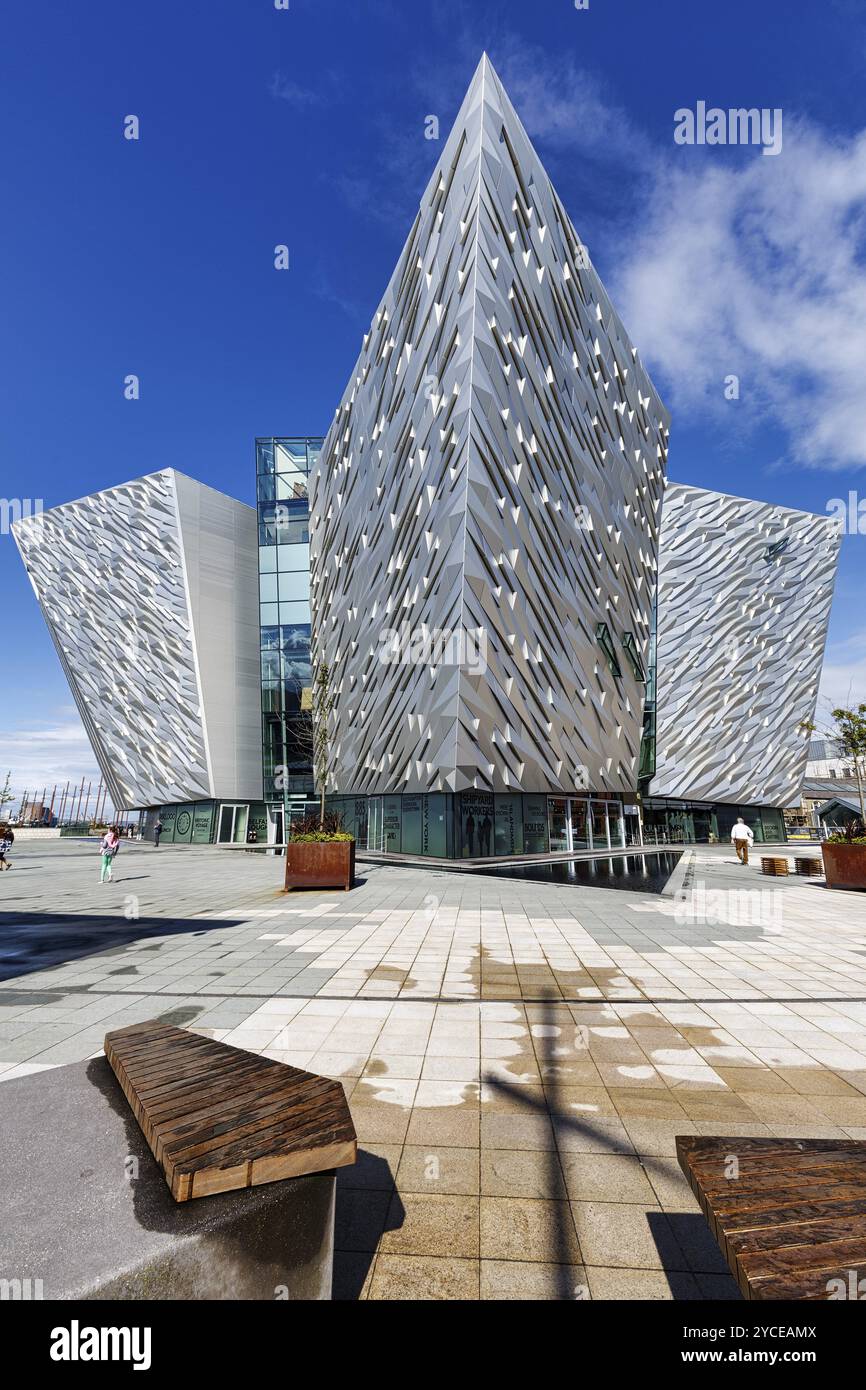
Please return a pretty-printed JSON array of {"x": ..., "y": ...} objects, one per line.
[{"x": 282, "y": 474}]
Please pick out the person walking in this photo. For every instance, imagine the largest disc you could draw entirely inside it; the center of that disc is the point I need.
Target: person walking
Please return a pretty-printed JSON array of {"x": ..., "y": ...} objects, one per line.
[
  {"x": 7, "y": 839},
  {"x": 108, "y": 848},
  {"x": 157, "y": 831},
  {"x": 742, "y": 839}
]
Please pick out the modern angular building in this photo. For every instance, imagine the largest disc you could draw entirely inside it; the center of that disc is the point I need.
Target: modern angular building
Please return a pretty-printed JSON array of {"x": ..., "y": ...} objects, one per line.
[
  {"x": 147, "y": 590},
  {"x": 493, "y": 477},
  {"x": 536, "y": 645},
  {"x": 743, "y": 604}
]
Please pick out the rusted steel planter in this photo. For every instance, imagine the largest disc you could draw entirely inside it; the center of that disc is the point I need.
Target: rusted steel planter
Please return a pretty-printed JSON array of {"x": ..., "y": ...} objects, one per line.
[
  {"x": 320, "y": 864},
  {"x": 844, "y": 865}
]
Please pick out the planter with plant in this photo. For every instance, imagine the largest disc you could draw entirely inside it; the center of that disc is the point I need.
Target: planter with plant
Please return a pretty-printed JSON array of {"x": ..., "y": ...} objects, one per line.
[
  {"x": 844, "y": 855},
  {"x": 320, "y": 854},
  {"x": 844, "y": 849}
]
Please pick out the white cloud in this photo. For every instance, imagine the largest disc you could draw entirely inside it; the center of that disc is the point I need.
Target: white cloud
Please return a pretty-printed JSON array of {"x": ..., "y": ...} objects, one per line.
[
  {"x": 45, "y": 753},
  {"x": 755, "y": 267},
  {"x": 843, "y": 679},
  {"x": 566, "y": 107},
  {"x": 284, "y": 89}
]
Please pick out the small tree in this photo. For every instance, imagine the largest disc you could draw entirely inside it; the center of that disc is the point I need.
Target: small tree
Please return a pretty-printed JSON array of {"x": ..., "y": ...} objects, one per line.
[
  {"x": 314, "y": 734},
  {"x": 849, "y": 736},
  {"x": 323, "y": 704},
  {"x": 6, "y": 793}
]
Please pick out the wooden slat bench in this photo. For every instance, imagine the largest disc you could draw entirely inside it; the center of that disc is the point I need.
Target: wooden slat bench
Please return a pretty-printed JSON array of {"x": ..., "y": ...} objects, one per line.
[
  {"x": 217, "y": 1118},
  {"x": 774, "y": 865},
  {"x": 793, "y": 1220},
  {"x": 808, "y": 866}
]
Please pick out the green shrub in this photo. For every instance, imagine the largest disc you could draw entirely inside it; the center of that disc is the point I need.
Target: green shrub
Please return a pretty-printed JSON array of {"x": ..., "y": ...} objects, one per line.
[
  {"x": 319, "y": 837},
  {"x": 312, "y": 831},
  {"x": 840, "y": 839}
]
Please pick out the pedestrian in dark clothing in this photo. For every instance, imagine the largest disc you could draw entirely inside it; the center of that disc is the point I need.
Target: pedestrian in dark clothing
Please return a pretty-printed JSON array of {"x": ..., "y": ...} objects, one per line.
[{"x": 157, "y": 831}]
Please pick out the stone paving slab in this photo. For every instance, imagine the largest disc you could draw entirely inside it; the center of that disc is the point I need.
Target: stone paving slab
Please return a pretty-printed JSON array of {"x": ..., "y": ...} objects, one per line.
[{"x": 518, "y": 1056}]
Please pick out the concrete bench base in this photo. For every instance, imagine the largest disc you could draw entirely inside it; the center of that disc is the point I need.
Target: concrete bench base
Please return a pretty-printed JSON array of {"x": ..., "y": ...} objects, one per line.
[{"x": 87, "y": 1211}]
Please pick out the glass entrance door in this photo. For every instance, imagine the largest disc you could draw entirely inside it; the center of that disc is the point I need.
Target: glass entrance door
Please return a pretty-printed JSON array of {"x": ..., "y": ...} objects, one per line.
[
  {"x": 375, "y": 824},
  {"x": 560, "y": 824},
  {"x": 600, "y": 836},
  {"x": 233, "y": 825},
  {"x": 579, "y": 824},
  {"x": 276, "y": 826},
  {"x": 616, "y": 825}
]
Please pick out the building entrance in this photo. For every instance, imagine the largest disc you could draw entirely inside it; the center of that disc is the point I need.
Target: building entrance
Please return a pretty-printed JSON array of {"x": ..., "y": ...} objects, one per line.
[{"x": 577, "y": 823}]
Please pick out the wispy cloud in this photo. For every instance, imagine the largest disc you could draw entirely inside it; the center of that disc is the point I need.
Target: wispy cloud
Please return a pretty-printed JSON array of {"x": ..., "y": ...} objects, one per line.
[
  {"x": 284, "y": 88},
  {"x": 755, "y": 268},
  {"x": 42, "y": 753},
  {"x": 722, "y": 262},
  {"x": 843, "y": 679}
]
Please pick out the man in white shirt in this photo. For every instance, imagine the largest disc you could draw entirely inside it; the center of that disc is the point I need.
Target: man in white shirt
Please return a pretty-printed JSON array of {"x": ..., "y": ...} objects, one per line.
[{"x": 741, "y": 839}]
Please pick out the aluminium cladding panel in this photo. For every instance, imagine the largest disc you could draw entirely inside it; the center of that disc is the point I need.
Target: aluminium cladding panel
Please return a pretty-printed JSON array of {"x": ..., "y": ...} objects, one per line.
[
  {"x": 495, "y": 468},
  {"x": 220, "y": 548},
  {"x": 108, "y": 573},
  {"x": 744, "y": 599}
]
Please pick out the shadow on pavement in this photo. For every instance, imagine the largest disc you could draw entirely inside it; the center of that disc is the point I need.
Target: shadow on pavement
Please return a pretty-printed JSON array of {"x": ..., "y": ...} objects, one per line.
[{"x": 39, "y": 940}]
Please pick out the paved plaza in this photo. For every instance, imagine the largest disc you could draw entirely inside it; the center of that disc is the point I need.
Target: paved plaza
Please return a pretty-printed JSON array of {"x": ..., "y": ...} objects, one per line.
[{"x": 518, "y": 1056}]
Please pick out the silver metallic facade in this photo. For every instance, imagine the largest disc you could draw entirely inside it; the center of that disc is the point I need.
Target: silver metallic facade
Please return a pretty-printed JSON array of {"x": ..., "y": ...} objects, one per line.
[
  {"x": 150, "y": 593},
  {"x": 494, "y": 470},
  {"x": 744, "y": 599}
]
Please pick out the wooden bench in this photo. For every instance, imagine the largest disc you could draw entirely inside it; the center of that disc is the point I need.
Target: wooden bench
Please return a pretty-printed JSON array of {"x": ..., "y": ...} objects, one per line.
[
  {"x": 775, "y": 865},
  {"x": 789, "y": 1214},
  {"x": 808, "y": 866},
  {"x": 217, "y": 1118}
]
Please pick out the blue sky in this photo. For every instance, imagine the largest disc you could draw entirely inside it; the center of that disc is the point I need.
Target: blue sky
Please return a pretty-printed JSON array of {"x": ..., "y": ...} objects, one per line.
[{"x": 306, "y": 127}]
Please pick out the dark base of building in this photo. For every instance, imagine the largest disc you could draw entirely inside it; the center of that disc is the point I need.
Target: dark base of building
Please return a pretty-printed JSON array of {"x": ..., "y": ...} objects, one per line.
[
  {"x": 472, "y": 824},
  {"x": 478, "y": 825},
  {"x": 666, "y": 821},
  {"x": 226, "y": 822}
]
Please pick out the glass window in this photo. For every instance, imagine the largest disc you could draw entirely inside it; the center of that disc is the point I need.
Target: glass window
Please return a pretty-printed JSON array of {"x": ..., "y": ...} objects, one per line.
[
  {"x": 605, "y": 641},
  {"x": 411, "y": 841},
  {"x": 391, "y": 824},
  {"x": 508, "y": 823},
  {"x": 268, "y": 613},
  {"x": 265, "y": 487},
  {"x": 293, "y": 532},
  {"x": 294, "y": 557},
  {"x": 599, "y": 825},
  {"x": 559, "y": 824},
  {"x": 434, "y": 827},
  {"x": 268, "y": 588},
  {"x": 202, "y": 823},
  {"x": 476, "y": 824},
  {"x": 579, "y": 815},
  {"x": 294, "y": 585},
  {"x": 267, "y": 559},
  {"x": 292, "y": 612},
  {"x": 290, "y": 455},
  {"x": 535, "y": 824},
  {"x": 292, "y": 486},
  {"x": 633, "y": 654},
  {"x": 264, "y": 456}
]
